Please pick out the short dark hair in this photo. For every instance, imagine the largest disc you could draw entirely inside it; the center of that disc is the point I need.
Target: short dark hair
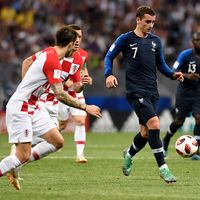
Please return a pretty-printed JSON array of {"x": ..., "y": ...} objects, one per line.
[
  {"x": 76, "y": 27},
  {"x": 64, "y": 36},
  {"x": 142, "y": 10}
]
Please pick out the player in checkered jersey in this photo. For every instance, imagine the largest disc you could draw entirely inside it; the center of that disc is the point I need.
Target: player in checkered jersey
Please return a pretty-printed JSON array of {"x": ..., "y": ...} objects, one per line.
[
  {"x": 71, "y": 67},
  {"x": 24, "y": 117},
  {"x": 79, "y": 116}
]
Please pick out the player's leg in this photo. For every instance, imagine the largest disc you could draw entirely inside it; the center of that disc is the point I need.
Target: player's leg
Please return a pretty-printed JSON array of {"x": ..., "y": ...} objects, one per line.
[
  {"x": 44, "y": 126},
  {"x": 38, "y": 119},
  {"x": 196, "y": 133},
  {"x": 139, "y": 142},
  {"x": 183, "y": 108},
  {"x": 155, "y": 143},
  {"x": 79, "y": 117},
  {"x": 53, "y": 141},
  {"x": 63, "y": 115},
  {"x": 146, "y": 111},
  {"x": 174, "y": 126},
  {"x": 19, "y": 128}
]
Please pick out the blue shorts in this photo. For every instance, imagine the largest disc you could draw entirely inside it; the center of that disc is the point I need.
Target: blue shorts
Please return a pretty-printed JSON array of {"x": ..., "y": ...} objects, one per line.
[
  {"x": 145, "y": 109},
  {"x": 186, "y": 105}
]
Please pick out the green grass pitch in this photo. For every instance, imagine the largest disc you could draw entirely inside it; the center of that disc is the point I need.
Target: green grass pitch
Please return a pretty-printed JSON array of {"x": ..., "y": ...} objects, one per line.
[{"x": 58, "y": 177}]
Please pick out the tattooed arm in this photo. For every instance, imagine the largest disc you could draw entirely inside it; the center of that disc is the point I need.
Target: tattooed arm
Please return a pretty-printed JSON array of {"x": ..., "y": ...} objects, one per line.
[{"x": 65, "y": 98}]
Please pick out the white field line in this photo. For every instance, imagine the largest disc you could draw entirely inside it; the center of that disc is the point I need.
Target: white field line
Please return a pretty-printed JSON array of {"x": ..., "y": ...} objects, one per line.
[{"x": 103, "y": 158}]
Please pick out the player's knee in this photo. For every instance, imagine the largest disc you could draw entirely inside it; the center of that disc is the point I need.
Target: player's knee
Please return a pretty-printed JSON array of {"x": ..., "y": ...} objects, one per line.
[
  {"x": 80, "y": 120},
  {"x": 62, "y": 124},
  {"x": 24, "y": 156},
  {"x": 144, "y": 134},
  {"x": 153, "y": 124},
  {"x": 59, "y": 143}
]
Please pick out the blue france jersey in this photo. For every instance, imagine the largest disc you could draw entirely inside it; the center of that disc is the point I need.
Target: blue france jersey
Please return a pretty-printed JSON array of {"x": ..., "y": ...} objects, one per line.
[
  {"x": 141, "y": 58},
  {"x": 188, "y": 62}
]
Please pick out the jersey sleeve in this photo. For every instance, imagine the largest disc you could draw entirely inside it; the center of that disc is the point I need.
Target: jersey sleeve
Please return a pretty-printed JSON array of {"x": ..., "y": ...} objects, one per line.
[
  {"x": 113, "y": 51},
  {"x": 160, "y": 62},
  {"x": 34, "y": 56},
  {"x": 179, "y": 63},
  {"x": 52, "y": 69}
]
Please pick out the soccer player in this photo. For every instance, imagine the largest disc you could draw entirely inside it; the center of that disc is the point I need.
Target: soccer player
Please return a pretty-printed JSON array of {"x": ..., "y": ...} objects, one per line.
[
  {"x": 188, "y": 92},
  {"x": 79, "y": 116},
  {"x": 71, "y": 66},
  {"x": 142, "y": 54},
  {"x": 23, "y": 113}
]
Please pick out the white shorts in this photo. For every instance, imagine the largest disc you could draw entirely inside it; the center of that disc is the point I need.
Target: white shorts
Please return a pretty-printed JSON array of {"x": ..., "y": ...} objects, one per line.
[
  {"x": 53, "y": 112},
  {"x": 64, "y": 111},
  {"x": 21, "y": 126}
]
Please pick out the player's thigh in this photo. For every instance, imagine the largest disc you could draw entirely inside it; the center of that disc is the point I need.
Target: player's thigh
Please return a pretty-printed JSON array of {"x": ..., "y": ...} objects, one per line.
[
  {"x": 145, "y": 109},
  {"x": 42, "y": 122},
  {"x": 54, "y": 137},
  {"x": 183, "y": 107},
  {"x": 19, "y": 126}
]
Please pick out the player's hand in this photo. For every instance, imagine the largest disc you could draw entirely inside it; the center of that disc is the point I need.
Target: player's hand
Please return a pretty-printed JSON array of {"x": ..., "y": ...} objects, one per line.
[
  {"x": 69, "y": 83},
  {"x": 178, "y": 76},
  {"x": 93, "y": 110},
  {"x": 111, "y": 82},
  {"x": 86, "y": 80},
  {"x": 192, "y": 76}
]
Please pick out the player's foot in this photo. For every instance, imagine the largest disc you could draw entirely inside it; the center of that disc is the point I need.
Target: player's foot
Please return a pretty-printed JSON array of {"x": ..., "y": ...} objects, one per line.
[
  {"x": 13, "y": 180},
  {"x": 195, "y": 157},
  {"x": 165, "y": 153},
  {"x": 81, "y": 159},
  {"x": 16, "y": 171},
  {"x": 127, "y": 167},
  {"x": 167, "y": 176}
]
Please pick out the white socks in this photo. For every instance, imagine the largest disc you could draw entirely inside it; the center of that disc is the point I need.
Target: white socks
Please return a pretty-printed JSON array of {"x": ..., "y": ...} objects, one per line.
[
  {"x": 80, "y": 138},
  {"x": 9, "y": 163},
  {"x": 41, "y": 150}
]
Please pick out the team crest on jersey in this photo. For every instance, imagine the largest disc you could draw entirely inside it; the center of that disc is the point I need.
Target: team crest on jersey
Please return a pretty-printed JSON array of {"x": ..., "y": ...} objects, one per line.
[
  {"x": 153, "y": 46},
  {"x": 74, "y": 68},
  {"x": 26, "y": 132},
  {"x": 57, "y": 74},
  {"x": 141, "y": 100}
]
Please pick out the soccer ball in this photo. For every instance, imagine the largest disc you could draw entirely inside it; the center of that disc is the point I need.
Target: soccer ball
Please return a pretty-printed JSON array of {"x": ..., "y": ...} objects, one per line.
[{"x": 186, "y": 146}]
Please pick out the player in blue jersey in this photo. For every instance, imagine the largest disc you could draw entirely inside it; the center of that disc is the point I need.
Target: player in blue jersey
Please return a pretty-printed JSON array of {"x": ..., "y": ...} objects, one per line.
[
  {"x": 142, "y": 55},
  {"x": 188, "y": 92}
]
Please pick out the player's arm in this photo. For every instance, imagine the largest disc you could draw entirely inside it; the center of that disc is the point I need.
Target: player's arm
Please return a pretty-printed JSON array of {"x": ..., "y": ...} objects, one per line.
[
  {"x": 86, "y": 78},
  {"x": 164, "y": 68},
  {"x": 77, "y": 85},
  {"x": 75, "y": 81},
  {"x": 25, "y": 65},
  {"x": 65, "y": 98},
  {"x": 181, "y": 62},
  {"x": 115, "y": 48}
]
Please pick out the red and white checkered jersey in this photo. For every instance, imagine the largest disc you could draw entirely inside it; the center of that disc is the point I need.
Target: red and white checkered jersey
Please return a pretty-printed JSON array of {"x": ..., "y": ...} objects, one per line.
[
  {"x": 84, "y": 56},
  {"x": 70, "y": 69},
  {"x": 44, "y": 71}
]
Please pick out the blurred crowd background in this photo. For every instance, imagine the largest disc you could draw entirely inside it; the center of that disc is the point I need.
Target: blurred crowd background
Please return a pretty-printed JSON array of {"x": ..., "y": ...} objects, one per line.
[{"x": 27, "y": 26}]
